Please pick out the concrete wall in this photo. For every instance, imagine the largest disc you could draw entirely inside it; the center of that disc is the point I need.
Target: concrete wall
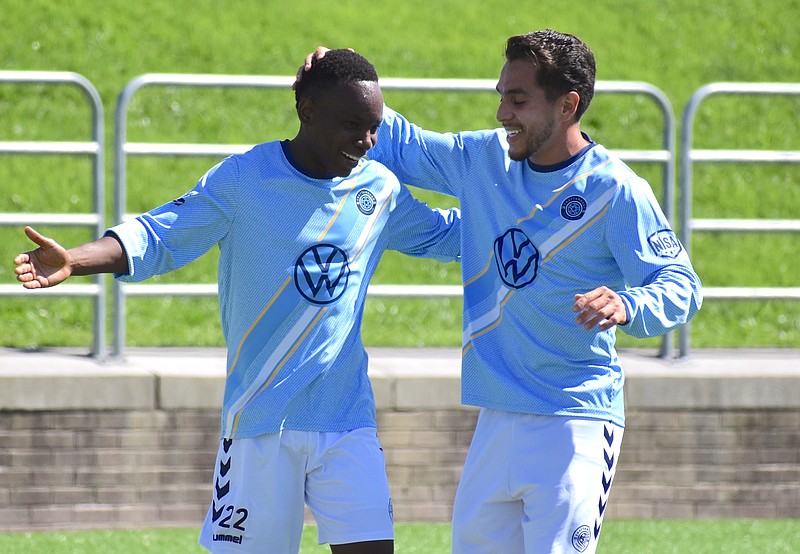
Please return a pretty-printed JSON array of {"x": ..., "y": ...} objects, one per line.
[{"x": 86, "y": 444}]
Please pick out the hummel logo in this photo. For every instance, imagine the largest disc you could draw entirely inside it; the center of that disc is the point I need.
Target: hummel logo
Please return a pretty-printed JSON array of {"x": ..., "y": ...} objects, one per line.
[
  {"x": 224, "y": 467},
  {"x": 223, "y": 490}
]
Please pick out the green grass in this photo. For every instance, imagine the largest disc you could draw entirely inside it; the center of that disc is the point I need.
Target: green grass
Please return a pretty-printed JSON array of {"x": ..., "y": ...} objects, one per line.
[
  {"x": 618, "y": 537},
  {"x": 678, "y": 46}
]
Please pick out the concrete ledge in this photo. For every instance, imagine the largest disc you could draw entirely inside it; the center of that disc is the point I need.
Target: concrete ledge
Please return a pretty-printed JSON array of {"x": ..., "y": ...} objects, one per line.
[
  {"x": 403, "y": 379},
  {"x": 59, "y": 381},
  {"x": 109, "y": 444}
]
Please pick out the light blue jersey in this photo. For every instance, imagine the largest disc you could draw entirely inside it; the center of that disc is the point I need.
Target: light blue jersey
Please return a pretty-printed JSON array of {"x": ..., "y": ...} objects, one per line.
[
  {"x": 296, "y": 256},
  {"x": 532, "y": 238}
]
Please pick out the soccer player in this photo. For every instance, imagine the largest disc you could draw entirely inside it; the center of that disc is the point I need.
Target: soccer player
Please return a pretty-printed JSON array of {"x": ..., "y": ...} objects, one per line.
[
  {"x": 301, "y": 225},
  {"x": 562, "y": 244}
]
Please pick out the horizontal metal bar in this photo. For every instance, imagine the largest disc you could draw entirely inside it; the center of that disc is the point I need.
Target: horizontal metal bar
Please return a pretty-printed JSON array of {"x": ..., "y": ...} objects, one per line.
[
  {"x": 49, "y": 219},
  {"x": 403, "y": 291},
  {"x": 781, "y": 156},
  {"x": 644, "y": 155},
  {"x": 196, "y": 149},
  {"x": 60, "y": 290},
  {"x": 183, "y": 289},
  {"x": 49, "y": 147},
  {"x": 417, "y": 291},
  {"x": 767, "y": 225},
  {"x": 752, "y": 293},
  {"x": 184, "y": 149}
]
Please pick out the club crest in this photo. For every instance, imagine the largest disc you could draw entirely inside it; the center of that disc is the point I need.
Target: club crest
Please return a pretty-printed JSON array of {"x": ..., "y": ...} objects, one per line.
[
  {"x": 573, "y": 208},
  {"x": 365, "y": 202}
]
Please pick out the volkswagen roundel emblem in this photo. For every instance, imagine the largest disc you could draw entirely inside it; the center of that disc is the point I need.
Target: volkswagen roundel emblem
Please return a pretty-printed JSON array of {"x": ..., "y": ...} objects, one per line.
[
  {"x": 365, "y": 201},
  {"x": 573, "y": 208},
  {"x": 321, "y": 273},
  {"x": 517, "y": 258}
]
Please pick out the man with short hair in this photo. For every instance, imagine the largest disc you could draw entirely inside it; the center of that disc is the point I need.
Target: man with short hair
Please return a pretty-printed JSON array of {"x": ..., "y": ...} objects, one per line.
[
  {"x": 562, "y": 243},
  {"x": 301, "y": 225}
]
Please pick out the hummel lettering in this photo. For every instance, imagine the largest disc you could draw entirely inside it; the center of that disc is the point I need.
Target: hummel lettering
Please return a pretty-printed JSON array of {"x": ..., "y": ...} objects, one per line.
[{"x": 236, "y": 539}]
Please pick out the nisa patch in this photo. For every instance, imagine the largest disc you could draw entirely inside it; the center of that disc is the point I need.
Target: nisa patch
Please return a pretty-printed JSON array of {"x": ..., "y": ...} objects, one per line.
[
  {"x": 573, "y": 208},
  {"x": 665, "y": 244},
  {"x": 365, "y": 201}
]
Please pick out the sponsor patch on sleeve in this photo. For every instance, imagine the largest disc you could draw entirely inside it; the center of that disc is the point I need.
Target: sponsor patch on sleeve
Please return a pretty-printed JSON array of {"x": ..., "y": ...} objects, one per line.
[{"x": 665, "y": 244}]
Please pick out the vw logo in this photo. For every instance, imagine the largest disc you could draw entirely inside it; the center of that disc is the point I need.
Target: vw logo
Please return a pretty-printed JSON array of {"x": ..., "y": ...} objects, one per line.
[
  {"x": 321, "y": 273},
  {"x": 517, "y": 258}
]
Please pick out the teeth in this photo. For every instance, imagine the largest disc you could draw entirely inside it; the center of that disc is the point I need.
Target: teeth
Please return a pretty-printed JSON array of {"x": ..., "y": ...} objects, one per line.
[
  {"x": 350, "y": 157},
  {"x": 512, "y": 133}
]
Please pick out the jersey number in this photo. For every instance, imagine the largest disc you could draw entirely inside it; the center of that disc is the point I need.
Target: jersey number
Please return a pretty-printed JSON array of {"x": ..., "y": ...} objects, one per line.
[{"x": 239, "y": 524}]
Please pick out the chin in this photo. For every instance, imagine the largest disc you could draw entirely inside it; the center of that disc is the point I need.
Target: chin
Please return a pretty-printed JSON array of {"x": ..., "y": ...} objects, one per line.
[{"x": 518, "y": 156}]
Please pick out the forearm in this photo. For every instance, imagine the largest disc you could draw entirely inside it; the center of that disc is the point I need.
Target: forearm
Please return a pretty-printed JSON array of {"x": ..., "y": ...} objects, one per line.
[
  {"x": 670, "y": 300},
  {"x": 104, "y": 255}
]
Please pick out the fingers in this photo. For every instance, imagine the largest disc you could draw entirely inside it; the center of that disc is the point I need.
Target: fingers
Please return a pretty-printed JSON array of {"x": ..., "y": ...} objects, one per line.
[
  {"x": 38, "y": 238},
  {"x": 600, "y": 307},
  {"x": 26, "y": 270},
  {"x": 316, "y": 54}
]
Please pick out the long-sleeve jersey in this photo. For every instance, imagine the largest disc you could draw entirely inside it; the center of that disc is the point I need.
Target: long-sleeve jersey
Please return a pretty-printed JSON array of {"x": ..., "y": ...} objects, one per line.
[
  {"x": 296, "y": 257},
  {"x": 533, "y": 237}
]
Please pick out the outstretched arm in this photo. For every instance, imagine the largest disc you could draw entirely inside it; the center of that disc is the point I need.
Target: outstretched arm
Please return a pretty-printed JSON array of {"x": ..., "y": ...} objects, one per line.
[{"x": 51, "y": 263}]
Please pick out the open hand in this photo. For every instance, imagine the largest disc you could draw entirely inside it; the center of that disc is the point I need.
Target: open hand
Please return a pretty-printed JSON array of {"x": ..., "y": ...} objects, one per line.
[{"x": 46, "y": 266}]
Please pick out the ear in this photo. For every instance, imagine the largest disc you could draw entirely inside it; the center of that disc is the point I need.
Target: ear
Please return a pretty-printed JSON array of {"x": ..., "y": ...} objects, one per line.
[
  {"x": 569, "y": 104},
  {"x": 305, "y": 110}
]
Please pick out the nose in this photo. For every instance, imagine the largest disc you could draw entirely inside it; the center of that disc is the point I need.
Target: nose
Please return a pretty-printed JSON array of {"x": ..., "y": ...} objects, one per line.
[
  {"x": 368, "y": 140},
  {"x": 502, "y": 114}
]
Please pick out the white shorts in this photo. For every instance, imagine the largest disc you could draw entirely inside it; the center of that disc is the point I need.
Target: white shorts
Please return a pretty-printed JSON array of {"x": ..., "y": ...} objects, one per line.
[
  {"x": 535, "y": 484},
  {"x": 262, "y": 483}
]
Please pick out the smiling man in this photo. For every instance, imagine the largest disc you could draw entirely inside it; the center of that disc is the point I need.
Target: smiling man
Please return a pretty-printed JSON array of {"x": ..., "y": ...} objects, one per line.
[
  {"x": 562, "y": 244},
  {"x": 301, "y": 225}
]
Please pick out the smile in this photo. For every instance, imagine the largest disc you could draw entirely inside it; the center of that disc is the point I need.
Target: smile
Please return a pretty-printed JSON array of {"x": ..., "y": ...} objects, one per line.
[{"x": 351, "y": 157}]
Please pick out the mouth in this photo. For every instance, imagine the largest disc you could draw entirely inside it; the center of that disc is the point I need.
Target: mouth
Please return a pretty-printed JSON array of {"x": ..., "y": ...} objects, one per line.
[
  {"x": 351, "y": 157},
  {"x": 511, "y": 133}
]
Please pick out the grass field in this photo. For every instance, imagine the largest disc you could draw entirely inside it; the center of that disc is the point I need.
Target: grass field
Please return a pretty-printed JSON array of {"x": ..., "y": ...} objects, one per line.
[
  {"x": 618, "y": 537},
  {"x": 677, "y": 45}
]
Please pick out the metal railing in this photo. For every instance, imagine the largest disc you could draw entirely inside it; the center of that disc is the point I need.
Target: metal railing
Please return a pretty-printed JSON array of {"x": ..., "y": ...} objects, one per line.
[
  {"x": 123, "y": 149},
  {"x": 688, "y": 224},
  {"x": 95, "y": 219}
]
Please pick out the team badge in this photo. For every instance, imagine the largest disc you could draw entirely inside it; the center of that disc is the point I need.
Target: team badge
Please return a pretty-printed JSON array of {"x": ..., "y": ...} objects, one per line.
[
  {"x": 365, "y": 201},
  {"x": 321, "y": 273},
  {"x": 665, "y": 244},
  {"x": 573, "y": 208},
  {"x": 581, "y": 538},
  {"x": 516, "y": 257}
]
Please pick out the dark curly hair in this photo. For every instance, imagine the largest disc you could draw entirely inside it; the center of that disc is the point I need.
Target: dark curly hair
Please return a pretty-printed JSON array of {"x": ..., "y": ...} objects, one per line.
[
  {"x": 334, "y": 68},
  {"x": 563, "y": 61}
]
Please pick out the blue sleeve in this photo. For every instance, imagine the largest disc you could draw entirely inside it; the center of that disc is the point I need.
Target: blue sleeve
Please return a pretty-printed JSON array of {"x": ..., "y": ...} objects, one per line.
[
  {"x": 418, "y": 230},
  {"x": 432, "y": 161},
  {"x": 178, "y": 232},
  {"x": 663, "y": 291}
]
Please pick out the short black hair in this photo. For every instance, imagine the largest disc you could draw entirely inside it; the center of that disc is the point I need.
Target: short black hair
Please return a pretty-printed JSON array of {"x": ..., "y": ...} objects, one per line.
[
  {"x": 333, "y": 69},
  {"x": 564, "y": 62}
]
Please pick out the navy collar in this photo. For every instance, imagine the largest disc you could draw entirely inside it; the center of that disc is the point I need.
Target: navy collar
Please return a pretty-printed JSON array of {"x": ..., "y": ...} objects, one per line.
[{"x": 565, "y": 163}]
